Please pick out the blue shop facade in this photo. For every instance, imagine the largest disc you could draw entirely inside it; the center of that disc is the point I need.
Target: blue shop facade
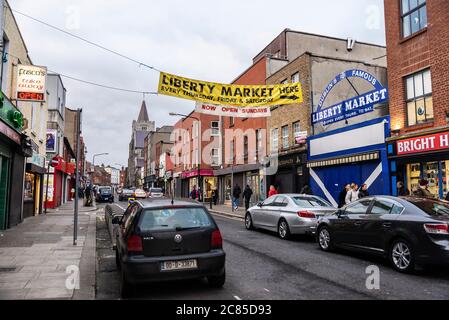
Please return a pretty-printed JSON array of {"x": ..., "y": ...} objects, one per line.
[{"x": 349, "y": 140}]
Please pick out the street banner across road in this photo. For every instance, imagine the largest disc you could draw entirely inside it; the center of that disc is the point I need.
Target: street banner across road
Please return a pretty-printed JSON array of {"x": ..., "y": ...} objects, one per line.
[
  {"x": 229, "y": 94},
  {"x": 230, "y": 111}
]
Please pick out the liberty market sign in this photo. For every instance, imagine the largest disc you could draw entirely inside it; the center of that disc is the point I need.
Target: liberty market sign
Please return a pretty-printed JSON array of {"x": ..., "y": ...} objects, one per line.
[{"x": 352, "y": 107}]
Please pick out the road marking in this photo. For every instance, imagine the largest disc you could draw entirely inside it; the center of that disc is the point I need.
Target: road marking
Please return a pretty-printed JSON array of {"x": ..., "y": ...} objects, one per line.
[
  {"x": 237, "y": 298},
  {"x": 266, "y": 290},
  {"x": 120, "y": 206}
]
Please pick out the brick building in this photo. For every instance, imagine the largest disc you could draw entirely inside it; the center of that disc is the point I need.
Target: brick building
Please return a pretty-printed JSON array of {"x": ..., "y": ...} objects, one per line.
[
  {"x": 188, "y": 171},
  {"x": 417, "y": 34}
]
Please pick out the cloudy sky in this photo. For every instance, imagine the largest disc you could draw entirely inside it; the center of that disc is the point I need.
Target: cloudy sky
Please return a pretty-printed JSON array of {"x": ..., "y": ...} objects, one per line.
[{"x": 208, "y": 40}]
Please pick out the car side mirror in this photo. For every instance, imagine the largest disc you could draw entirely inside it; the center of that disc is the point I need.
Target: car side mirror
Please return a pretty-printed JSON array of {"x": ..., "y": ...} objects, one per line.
[
  {"x": 117, "y": 220},
  {"x": 260, "y": 204},
  {"x": 340, "y": 213}
]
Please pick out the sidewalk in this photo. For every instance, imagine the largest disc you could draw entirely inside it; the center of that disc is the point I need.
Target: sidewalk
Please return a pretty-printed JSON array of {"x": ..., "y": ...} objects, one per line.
[
  {"x": 226, "y": 210},
  {"x": 34, "y": 255}
]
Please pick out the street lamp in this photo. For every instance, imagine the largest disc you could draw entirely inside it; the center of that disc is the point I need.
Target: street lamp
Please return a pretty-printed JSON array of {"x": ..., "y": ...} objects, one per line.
[
  {"x": 199, "y": 145},
  {"x": 93, "y": 160}
]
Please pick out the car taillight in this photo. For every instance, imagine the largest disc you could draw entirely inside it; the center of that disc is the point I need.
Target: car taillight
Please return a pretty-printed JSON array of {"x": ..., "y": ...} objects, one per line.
[
  {"x": 306, "y": 214},
  {"x": 216, "y": 240},
  {"x": 134, "y": 244},
  {"x": 435, "y": 228}
]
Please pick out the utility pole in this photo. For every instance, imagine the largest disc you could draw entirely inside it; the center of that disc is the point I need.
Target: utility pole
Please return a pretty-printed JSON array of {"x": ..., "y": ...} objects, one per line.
[{"x": 77, "y": 181}]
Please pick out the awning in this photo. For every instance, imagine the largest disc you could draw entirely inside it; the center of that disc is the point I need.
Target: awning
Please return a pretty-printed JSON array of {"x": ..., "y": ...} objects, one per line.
[{"x": 344, "y": 160}]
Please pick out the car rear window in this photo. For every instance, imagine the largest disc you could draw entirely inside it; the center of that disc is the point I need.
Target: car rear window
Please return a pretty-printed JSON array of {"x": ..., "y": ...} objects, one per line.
[
  {"x": 174, "y": 219},
  {"x": 105, "y": 191},
  {"x": 432, "y": 207},
  {"x": 156, "y": 190},
  {"x": 310, "y": 202}
]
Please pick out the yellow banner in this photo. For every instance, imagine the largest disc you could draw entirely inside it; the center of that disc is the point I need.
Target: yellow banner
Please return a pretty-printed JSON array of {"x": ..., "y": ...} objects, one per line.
[{"x": 229, "y": 94}]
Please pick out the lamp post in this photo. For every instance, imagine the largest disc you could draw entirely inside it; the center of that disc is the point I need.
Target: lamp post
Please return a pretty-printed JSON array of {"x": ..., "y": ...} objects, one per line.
[
  {"x": 93, "y": 161},
  {"x": 199, "y": 145}
]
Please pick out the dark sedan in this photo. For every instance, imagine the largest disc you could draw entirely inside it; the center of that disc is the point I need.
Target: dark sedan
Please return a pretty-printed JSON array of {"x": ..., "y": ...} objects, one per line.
[
  {"x": 160, "y": 241},
  {"x": 406, "y": 230},
  {"x": 104, "y": 194}
]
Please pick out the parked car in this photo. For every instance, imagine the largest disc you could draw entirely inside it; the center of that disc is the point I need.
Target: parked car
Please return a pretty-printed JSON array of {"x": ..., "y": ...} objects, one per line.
[
  {"x": 155, "y": 193},
  {"x": 125, "y": 194},
  {"x": 139, "y": 194},
  {"x": 288, "y": 214},
  {"x": 159, "y": 241},
  {"x": 104, "y": 194},
  {"x": 406, "y": 230}
]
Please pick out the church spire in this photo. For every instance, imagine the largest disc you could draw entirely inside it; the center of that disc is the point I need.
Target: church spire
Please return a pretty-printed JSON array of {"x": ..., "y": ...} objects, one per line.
[{"x": 143, "y": 114}]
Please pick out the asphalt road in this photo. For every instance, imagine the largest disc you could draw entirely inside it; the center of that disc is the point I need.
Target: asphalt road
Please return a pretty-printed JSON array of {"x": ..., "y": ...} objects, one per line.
[{"x": 259, "y": 265}]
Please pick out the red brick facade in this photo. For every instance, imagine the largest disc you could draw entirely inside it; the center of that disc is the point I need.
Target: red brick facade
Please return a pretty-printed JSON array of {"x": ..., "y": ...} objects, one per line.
[{"x": 428, "y": 48}]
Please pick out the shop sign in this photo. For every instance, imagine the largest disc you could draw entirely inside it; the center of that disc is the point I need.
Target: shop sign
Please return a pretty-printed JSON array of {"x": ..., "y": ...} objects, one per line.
[
  {"x": 433, "y": 142},
  {"x": 37, "y": 159},
  {"x": 289, "y": 160},
  {"x": 192, "y": 174},
  {"x": 51, "y": 140},
  {"x": 301, "y": 137},
  {"x": 30, "y": 84},
  {"x": 352, "y": 107},
  {"x": 229, "y": 94},
  {"x": 229, "y": 111},
  {"x": 11, "y": 115}
]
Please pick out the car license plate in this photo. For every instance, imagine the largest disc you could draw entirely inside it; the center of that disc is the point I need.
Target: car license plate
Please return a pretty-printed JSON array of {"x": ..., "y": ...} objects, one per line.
[{"x": 179, "y": 265}]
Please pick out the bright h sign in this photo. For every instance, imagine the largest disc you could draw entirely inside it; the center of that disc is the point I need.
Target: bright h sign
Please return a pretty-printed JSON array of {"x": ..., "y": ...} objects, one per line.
[{"x": 352, "y": 107}]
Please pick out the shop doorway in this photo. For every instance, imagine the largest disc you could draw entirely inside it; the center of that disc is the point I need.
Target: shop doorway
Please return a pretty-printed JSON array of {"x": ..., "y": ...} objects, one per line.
[{"x": 4, "y": 180}]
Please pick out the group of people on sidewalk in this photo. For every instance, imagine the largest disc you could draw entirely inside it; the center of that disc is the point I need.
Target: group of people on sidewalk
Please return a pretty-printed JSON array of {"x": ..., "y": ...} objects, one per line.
[{"x": 351, "y": 192}]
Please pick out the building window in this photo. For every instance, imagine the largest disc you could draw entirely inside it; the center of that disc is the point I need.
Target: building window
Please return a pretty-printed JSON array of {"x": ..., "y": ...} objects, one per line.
[
  {"x": 285, "y": 81},
  {"x": 231, "y": 151},
  {"x": 245, "y": 147},
  {"x": 285, "y": 142},
  {"x": 215, "y": 154},
  {"x": 296, "y": 129},
  {"x": 274, "y": 139},
  {"x": 295, "y": 77},
  {"x": 196, "y": 130},
  {"x": 231, "y": 121},
  {"x": 144, "y": 128},
  {"x": 259, "y": 142},
  {"x": 414, "y": 16},
  {"x": 215, "y": 126},
  {"x": 419, "y": 98}
]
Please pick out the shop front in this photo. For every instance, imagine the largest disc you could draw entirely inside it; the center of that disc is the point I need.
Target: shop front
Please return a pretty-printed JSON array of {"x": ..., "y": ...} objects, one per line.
[
  {"x": 33, "y": 187},
  {"x": 292, "y": 174},
  {"x": 416, "y": 157},
  {"x": 356, "y": 154},
  {"x": 207, "y": 181},
  {"x": 56, "y": 183}
]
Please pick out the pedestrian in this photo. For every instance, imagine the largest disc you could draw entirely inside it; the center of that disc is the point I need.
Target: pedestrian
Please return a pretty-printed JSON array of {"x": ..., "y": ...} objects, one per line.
[
  {"x": 247, "y": 193},
  {"x": 342, "y": 195},
  {"x": 272, "y": 191},
  {"x": 353, "y": 193},
  {"x": 363, "y": 192},
  {"x": 306, "y": 190},
  {"x": 402, "y": 190},
  {"x": 215, "y": 196},
  {"x": 236, "y": 195},
  {"x": 194, "y": 193},
  {"x": 423, "y": 191}
]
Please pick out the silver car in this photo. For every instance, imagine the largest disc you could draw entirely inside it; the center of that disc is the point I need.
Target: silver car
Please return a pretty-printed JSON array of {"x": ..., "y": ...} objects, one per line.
[
  {"x": 156, "y": 193},
  {"x": 288, "y": 214}
]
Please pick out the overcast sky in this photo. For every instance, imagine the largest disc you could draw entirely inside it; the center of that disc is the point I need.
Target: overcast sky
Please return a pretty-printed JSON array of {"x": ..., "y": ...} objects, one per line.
[{"x": 208, "y": 40}]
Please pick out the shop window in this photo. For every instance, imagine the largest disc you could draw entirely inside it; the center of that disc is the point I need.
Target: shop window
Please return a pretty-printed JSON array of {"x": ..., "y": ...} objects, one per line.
[
  {"x": 285, "y": 135},
  {"x": 419, "y": 98},
  {"x": 274, "y": 139},
  {"x": 29, "y": 187},
  {"x": 215, "y": 126},
  {"x": 295, "y": 77},
  {"x": 413, "y": 16}
]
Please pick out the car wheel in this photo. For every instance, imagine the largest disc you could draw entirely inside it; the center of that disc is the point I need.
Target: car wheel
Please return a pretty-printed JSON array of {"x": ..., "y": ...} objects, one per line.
[
  {"x": 126, "y": 289},
  {"x": 283, "y": 229},
  {"x": 249, "y": 222},
  {"x": 401, "y": 256},
  {"x": 325, "y": 239},
  {"x": 217, "y": 281}
]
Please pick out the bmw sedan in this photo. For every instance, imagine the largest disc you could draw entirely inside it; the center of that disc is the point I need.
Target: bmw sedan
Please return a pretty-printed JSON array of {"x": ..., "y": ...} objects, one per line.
[
  {"x": 159, "y": 241},
  {"x": 288, "y": 214},
  {"x": 406, "y": 230}
]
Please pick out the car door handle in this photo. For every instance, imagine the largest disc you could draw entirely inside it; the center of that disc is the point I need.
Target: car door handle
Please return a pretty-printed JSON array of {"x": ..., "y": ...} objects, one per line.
[
  {"x": 386, "y": 224},
  {"x": 357, "y": 223}
]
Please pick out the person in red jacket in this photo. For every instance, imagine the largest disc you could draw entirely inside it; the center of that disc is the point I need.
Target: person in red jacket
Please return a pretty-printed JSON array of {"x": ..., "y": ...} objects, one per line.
[{"x": 272, "y": 191}]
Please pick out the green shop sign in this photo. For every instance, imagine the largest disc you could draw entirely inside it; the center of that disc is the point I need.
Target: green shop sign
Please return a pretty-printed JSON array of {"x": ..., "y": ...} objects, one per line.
[{"x": 10, "y": 114}]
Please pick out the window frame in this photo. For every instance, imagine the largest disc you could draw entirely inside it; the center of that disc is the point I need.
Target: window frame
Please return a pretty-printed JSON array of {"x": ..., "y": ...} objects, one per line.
[
  {"x": 274, "y": 137},
  {"x": 409, "y": 13},
  {"x": 285, "y": 138},
  {"x": 416, "y": 98},
  {"x": 217, "y": 128},
  {"x": 293, "y": 75}
]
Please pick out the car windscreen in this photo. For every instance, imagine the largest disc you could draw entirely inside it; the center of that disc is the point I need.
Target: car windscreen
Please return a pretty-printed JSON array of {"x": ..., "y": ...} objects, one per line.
[
  {"x": 310, "y": 202},
  {"x": 105, "y": 191},
  {"x": 174, "y": 219},
  {"x": 432, "y": 207},
  {"x": 156, "y": 190}
]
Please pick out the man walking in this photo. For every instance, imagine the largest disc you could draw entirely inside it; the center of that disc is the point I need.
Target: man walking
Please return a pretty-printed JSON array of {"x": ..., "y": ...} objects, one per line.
[
  {"x": 342, "y": 195},
  {"x": 236, "y": 195},
  {"x": 247, "y": 193}
]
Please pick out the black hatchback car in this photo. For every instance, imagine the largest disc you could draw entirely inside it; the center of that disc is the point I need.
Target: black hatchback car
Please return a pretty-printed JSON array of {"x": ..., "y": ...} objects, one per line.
[
  {"x": 159, "y": 241},
  {"x": 105, "y": 194},
  {"x": 406, "y": 230}
]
